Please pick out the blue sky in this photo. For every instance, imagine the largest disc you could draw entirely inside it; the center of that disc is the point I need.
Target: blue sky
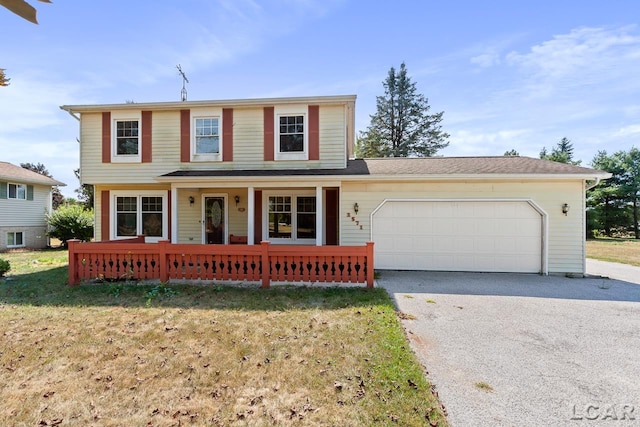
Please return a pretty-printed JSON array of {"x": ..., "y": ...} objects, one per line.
[{"x": 508, "y": 74}]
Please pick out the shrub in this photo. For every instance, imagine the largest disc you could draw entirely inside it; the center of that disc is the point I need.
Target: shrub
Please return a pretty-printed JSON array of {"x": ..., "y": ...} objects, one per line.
[
  {"x": 4, "y": 266},
  {"x": 71, "y": 222}
]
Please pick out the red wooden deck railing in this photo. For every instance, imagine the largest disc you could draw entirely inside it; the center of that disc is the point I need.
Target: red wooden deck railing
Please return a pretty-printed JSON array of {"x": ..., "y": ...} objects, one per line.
[{"x": 166, "y": 261}]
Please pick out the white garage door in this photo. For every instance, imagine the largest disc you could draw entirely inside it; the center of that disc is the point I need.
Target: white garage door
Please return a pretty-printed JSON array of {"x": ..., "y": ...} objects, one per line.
[{"x": 490, "y": 236}]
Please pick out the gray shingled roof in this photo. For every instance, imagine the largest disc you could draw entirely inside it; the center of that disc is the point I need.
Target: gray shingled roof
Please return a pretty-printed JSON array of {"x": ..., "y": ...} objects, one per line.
[
  {"x": 425, "y": 166},
  {"x": 10, "y": 172}
]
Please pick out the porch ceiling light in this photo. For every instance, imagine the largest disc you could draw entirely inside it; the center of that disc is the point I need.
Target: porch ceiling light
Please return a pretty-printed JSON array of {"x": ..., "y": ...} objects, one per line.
[
  {"x": 565, "y": 208},
  {"x": 356, "y": 208},
  {"x": 237, "y": 199}
]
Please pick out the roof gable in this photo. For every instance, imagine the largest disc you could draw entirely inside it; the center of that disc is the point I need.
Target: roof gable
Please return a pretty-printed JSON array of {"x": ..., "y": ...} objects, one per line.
[{"x": 10, "y": 172}]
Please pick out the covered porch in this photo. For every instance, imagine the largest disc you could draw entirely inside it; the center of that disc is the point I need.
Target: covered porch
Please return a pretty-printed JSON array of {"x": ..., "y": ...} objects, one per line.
[{"x": 291, "y": 213}]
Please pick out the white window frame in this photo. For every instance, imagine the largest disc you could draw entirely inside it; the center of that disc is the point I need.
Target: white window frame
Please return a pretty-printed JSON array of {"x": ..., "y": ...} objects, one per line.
[
  {"x": 122, "y": 116},
  {"x": 139, "y": 195},
  {"x": 294, "y": 194},
  {"x": 209, "y": 113},
  {"x": 291, "y": 110},
  {"x": 15, "y": 233},
  {"x": 9, "y": 184}
]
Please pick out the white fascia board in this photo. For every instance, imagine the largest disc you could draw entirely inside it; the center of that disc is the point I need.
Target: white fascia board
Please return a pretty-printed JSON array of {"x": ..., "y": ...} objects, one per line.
[{"x": 178, "y": 105}]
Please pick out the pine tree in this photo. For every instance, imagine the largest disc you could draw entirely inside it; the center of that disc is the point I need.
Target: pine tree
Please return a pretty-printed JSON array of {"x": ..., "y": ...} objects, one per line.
[
  {"x": 402, "y": 125},
  {"x": 562, "y": 152}
]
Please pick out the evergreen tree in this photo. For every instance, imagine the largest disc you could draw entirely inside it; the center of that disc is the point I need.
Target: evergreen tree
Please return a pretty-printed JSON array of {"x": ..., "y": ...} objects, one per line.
[
  {"x": 562, "y": 152},
  {"x": 4, "y": 80},
  {"x": 402, "y": 125}
]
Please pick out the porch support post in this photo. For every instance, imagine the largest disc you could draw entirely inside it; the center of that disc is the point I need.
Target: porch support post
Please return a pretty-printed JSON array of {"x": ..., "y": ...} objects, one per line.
[
  {"x": 251, "y": 209},
  {"x": 174, "y": 215},
  {"x": 319, "y": 216}
]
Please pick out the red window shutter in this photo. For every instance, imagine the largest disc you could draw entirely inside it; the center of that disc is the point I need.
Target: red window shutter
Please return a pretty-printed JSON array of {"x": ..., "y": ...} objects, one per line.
[
  {"x": 268, "y": 133},
  {"x": 104, "y": 216},
  {"x": 257, "y": 217},
  {"x": 314, "y": 132},
  {"x": 185, "y": 136},
  {"x": 331, "y": 216},
  {"x": 227, "y": 134},
  {"x": 106, "y": 137},
  {"x": 146, "y": 137}
]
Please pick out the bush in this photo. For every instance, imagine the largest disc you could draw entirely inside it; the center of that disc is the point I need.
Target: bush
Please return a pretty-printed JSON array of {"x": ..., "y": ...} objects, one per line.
[
  {"x": 71, "y": 222},
  {"x": 4, "y": 266}
]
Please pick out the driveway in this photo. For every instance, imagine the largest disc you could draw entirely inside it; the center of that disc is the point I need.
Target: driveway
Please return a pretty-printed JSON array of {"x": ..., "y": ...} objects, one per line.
[{"x": 525, "y": 350}]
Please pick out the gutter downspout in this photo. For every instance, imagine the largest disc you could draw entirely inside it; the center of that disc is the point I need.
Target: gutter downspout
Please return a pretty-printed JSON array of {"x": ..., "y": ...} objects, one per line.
[{"x": 589, "y": 187}]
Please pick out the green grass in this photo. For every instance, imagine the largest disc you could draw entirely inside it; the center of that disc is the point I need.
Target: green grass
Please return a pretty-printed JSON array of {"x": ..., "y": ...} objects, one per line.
[
  {"x": 624, "y": 251},
  {"x": 136, "y": 354}
]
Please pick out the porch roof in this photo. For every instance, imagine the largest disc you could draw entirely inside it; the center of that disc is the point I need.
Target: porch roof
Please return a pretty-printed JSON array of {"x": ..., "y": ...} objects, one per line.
[{"x": 412, "y": 168}]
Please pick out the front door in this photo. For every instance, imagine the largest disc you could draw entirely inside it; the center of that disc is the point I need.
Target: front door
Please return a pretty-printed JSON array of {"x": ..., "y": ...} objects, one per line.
[{"x": 215, "y": 220}]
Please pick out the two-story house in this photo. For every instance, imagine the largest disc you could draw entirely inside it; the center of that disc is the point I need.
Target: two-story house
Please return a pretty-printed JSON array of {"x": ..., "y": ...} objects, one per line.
[
  {"x": 282, "y": 170},
  {"x": 25, "y": 200}
]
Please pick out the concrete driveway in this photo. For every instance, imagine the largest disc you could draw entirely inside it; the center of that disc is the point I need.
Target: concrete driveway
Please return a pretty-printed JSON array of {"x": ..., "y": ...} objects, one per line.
[{"x": 525, "y": 350}]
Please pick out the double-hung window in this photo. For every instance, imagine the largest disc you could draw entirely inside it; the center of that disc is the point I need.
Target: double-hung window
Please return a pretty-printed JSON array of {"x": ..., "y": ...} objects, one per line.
[
  {"x": 291, "y": 133},
  {"x": 126, "y": 137},
  {"x": 206, "y": 131},
  {"x": 291, "y": 218},
  {"x": 17, "y": 191},
  {"x": 140, "y": 214}
]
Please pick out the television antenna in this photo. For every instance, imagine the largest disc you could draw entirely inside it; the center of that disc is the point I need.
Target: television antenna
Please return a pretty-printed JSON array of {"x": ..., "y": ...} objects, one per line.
[{"x": 183, "y": 92}]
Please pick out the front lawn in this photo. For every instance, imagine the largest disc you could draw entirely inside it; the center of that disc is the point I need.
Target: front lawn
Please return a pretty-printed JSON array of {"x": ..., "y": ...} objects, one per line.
[
  {"x": 625, "y": 251},
  {"x": 131, "y": 354}
]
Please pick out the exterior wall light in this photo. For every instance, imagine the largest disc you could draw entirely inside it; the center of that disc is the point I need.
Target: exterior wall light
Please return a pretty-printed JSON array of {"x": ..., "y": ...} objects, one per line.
[
  {"x": 356, "y": 207},
  {"x": 237, "y": 199},
  {"x": 565, "y": 208},
  {"x": 191, "y": 200}
]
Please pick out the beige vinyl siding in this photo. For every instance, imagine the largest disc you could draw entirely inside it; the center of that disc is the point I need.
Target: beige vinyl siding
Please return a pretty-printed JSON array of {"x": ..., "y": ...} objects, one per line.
[
  {"x": 28, "y": 213},
  {"x": 190, "y": 223},
  {"x": 248, "y": 151},
  {"x": 566, "y": 235}
]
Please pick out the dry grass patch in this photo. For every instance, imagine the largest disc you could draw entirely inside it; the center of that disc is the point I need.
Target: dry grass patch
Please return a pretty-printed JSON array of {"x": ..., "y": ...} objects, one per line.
[
  {"x": 130, "y": 354},
  {"x": 625, "y": 251}
]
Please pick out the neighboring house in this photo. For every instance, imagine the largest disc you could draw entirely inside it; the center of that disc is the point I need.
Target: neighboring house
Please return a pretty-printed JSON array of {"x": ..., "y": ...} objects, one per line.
[
  {"x": 281, "y": 169},
  {"x": 25, "y": 200}
]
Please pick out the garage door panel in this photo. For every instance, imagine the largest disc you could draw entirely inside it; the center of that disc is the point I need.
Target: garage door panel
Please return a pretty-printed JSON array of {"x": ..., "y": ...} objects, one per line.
[{"x": 488, "y": 236}]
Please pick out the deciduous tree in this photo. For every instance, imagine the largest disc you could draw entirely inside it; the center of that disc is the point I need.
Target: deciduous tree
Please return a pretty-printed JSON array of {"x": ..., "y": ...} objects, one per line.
[{"x": 57, "y": 199}]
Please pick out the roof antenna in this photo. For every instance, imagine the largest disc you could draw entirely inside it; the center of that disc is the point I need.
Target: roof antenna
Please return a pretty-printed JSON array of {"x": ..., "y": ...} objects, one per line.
[{"x": 183, "y": 92}]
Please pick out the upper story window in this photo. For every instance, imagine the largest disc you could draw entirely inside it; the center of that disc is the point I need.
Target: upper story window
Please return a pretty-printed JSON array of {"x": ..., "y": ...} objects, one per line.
[
  {"x": 206, "y": 142},
  {"x": 207, "y": 135},
  {"x": 291, "y": 133},
  {"x": 126, "y": 141},
  {"x": 17, "y": 191}
]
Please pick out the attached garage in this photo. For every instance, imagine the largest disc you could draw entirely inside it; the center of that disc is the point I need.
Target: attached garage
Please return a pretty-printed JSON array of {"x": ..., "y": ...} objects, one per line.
[{"x": 460, "y": 235}]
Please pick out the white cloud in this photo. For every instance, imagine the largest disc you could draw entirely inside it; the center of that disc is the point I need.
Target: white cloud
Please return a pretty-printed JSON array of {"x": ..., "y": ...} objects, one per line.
[
  {"x": 583, "y": 58},
  {"x": 628, "y": 130},
  {"x": 486, "y": 60}
]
